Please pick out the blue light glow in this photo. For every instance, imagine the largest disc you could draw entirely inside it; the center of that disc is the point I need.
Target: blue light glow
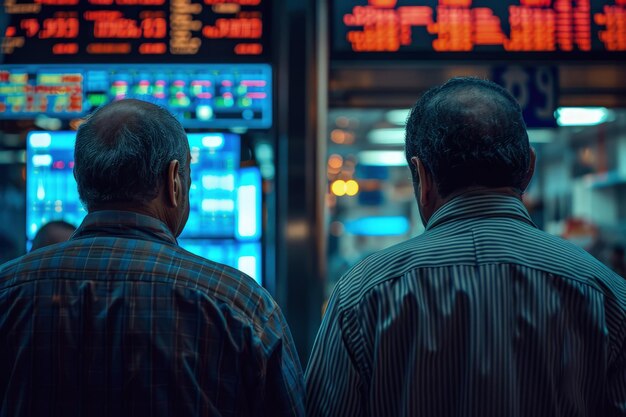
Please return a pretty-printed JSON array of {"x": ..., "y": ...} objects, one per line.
[
  {"x": 245, "y": 256},
  {"x": 213, "y": 141},
  {"x": 378, "y": 226},
  {"x": 249, "y": 205},
  {"x": 42, "y": 160},
  {"x": 39, "y": 139}
]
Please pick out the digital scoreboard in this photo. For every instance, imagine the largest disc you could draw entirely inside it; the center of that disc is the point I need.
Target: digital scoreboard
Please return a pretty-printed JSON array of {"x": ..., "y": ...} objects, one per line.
[
  {"x": 200, "y": 96},
  {"x": 478, "y": 29},
  {"x": 146, "y": 31}
]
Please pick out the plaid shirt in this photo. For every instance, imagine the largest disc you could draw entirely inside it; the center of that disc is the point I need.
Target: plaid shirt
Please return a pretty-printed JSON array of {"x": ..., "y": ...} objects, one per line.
[{"x": 121, "y": 321}]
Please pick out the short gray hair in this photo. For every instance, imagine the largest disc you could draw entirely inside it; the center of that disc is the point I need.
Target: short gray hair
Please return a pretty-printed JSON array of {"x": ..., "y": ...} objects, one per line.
[{"x": 123, "y": 150}]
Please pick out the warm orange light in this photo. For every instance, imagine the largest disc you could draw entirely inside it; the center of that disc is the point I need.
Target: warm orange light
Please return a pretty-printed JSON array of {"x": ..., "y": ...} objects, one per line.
[
  {"x": 339, "y": 188},
  {"x": 30, "y": 26},
  {"x": 536, "y": 3},
  {"x": 383, "y": 3},
  {"x": 108, "y": 48},
  {"x": 335, "y": 161},
  {"x": 234, "y": 29},
  {"x": 120, "y": 28},
  {"x": 456, "y": 3},
  {"x": 152, "y": 48},
  {"x": 65, "y": 49},
  {"x": 248, "y": 49},
  {"x": 352, "y": 187},
  {"x": 240, "y": 2},
  {"x": 338, "y": 136},
  {"x": 59, "y": 28},
  {"x": 154, "y": 27}
]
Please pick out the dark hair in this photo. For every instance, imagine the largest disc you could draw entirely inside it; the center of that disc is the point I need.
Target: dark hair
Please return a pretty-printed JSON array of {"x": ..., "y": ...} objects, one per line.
[
  {"x": 468, "y": 132},
  {"x": 47, "y": 234},
  {"x": 123, "y": 150}
]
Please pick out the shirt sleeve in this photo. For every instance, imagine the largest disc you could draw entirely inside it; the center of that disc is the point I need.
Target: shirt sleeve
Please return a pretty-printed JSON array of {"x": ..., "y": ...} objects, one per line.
[
  {"x": 334, "y": 385},
  {"x": 616, "y": 384},
  {"x": 284, "y": 383}
]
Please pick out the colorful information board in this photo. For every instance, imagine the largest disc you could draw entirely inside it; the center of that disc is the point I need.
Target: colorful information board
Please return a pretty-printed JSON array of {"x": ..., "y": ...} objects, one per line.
[
  {"x": 479, "y": 29},
  {"x": 146, "y": 31},
  {"x": 201, "y": 96}
]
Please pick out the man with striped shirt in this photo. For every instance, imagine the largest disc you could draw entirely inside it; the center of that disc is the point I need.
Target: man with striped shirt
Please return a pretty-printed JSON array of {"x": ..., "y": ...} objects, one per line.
[
  {"x": 120, "y": 320},
  {"x": 483, "y": 314}
]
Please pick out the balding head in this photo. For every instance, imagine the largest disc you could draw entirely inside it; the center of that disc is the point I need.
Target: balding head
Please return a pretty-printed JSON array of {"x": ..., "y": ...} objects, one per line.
[
  {"x": 469, "y": 132},
  {"x": 123, "y": 151}
]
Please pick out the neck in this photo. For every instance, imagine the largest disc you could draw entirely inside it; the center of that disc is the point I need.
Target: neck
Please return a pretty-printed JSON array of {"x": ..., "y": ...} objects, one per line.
[
  {"x": 479, "y": 189},
  {"x": 145, "y": 209}
]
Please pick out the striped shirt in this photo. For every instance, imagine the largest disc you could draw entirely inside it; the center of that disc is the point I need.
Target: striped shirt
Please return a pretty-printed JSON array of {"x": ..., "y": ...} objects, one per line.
[
  {"x": 482, "y": 315},
  {"x": 121, "y": 321}
]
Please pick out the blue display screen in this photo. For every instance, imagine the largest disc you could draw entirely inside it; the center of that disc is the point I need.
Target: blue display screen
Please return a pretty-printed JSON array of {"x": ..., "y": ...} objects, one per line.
[
  {"x": 244, "y": 256},
  {"x": 51, "y": 192},
  {"x": 200, "y": 96},
  {"x": 216, "y": 229},
  {"x": 214, "y": 180}
]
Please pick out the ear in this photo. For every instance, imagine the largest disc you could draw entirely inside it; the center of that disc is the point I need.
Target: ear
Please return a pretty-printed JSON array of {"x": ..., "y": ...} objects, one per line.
[
  {"x": 425, "y": 181},
  {"x": 174, "y": 187},
  {"x": 531, "y": 169}
]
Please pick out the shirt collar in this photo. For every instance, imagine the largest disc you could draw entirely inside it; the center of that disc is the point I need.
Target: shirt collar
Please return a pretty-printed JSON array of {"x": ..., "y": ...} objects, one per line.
[
  {"x": 480, "y": 205},
  {"x": 124, "y": 224}
]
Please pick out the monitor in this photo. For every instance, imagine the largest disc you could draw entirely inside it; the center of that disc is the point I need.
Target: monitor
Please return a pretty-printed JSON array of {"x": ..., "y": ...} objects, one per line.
[
  {"x": 135, "y": 31},
  {"x": 206, "y": 96},
  {"x": 214, "y": 183},
  {"x": 51, "y": 192},
  {"x": 491, "y": 30}
]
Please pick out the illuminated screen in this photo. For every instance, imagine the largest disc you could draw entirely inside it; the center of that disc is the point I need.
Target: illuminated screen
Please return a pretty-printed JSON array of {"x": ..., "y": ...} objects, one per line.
[
  {"x": 215, "y": 229},
  {"x": 478, "y": 29},
  {"x": 214, "y": 181},
  {"x": 142, "y": 31},
  {"x": 244, "y": 256},
  {"x": 200, "y": 96},
  {"x": 51, "y": 192}
]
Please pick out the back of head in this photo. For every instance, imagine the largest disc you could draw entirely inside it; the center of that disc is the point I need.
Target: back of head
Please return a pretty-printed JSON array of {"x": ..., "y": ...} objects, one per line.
[
  {"x": 122, "y": 153},
  {"x": 53, "y": 232},
  {"x": 469, "y": 132}
]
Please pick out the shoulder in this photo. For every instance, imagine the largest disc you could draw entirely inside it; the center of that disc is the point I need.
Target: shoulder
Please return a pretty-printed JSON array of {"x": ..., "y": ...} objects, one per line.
[
  {"x": 239, "y": 299},
  {"x": 232, "y": 289},
  {"x": 143, "y": 261},
  {"x": 440, "y": 248},
  {"x": 544, "y": 252},
  {"x": 380, "y": 267}
]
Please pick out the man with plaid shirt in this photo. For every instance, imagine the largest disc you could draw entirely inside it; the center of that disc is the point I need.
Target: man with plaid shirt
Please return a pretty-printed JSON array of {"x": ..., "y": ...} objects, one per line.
[{"x": 120, "y": 320}]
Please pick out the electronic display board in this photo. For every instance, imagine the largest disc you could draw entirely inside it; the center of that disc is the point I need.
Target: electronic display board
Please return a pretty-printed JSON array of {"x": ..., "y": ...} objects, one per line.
[
  {"x": 244, "y": 256},
  {"x": 142, "y": 31},
  {"x": 225, "y": 201},
  {"x": 478, "y": 29},
  {"x": 213, "y": 195},
  {"x": 51, "y": 191},
  {"x": 200, "y": 96}
]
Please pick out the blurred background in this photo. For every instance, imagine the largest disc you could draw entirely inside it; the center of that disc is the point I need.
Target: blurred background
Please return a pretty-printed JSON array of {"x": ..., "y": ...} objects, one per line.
[{"x": 295, "y": 113}]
